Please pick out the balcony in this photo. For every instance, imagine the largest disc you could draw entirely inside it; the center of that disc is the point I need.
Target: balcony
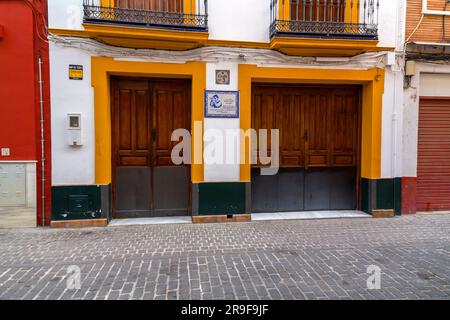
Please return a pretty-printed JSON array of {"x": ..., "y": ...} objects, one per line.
[
  {"x": 174, "y": 14},
  {"x": 348, "y": 25},
  {"x": 157, "y": 24},
  {"x": 338, "y": 19}
]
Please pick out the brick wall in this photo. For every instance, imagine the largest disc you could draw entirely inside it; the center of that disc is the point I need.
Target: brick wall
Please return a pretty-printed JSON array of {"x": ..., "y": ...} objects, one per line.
[{"x": 431, "y": 29}]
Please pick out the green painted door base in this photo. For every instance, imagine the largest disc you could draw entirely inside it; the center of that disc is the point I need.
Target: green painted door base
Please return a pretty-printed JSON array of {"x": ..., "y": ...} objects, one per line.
[
  {"x": 381, "y": 194},
  {"x": 221, "y": 198},
  {"x": 76, "y": 203}
]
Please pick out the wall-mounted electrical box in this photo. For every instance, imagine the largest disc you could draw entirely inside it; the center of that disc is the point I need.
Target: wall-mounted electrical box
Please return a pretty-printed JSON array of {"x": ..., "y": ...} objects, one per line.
[
  {"x": 390, "y": 58},
  {"x": 410, "y": 68},
  {"x": 74, "y": 131}
]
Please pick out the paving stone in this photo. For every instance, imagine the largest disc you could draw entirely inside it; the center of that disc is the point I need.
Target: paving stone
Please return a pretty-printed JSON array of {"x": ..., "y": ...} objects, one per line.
[{"x": 312, "y": 259}]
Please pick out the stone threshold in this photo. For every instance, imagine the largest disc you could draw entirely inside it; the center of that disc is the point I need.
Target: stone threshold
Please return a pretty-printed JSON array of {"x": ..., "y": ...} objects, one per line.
[
  {"x": 309, "y": 215},
  {"x": 150, "y": 221},
  {"x": 306, "y": 215}
]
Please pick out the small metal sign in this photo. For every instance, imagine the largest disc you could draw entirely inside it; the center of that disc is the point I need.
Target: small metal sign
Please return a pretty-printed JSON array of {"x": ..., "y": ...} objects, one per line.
[
  {"x": 75, "y": 72},
  {"x": 221, "y": 104},
  {"x": 223, "y": 77}
]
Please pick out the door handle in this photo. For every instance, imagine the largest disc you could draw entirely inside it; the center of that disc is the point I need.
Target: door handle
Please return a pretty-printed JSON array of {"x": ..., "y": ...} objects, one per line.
[
  {"x": 154, "y": 133},
  {"x": 306, "y": 135}
]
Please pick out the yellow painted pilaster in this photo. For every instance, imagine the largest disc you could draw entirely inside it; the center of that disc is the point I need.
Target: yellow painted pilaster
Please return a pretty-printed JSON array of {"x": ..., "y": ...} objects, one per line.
[
  {"x": 102, "y": 116},
  {"x": 103, "y": 68},
  {"x": 245, "y": 98},
  {"x": 372, "y": 126}
]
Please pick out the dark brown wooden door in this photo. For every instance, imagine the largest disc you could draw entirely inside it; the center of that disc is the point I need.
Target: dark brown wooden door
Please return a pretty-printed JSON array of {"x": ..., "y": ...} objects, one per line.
[
  {"x": 274, "y": 108},
  {"x": 318, "y": 126},
  {"x": 433, "y": 161},
  {"x": 331, "y": 123},
  {"x": 144, "y": 115},
  {"x": 131, "y": 119},
  {"x": 319, "y": 147},
  {"x": 171, "y": 111}
]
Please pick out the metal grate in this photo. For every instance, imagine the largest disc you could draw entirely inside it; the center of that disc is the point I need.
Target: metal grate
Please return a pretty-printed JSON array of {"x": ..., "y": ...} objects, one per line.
[
  {"x": 352, "y": 19},
  {"x": 149, "y": 13}
]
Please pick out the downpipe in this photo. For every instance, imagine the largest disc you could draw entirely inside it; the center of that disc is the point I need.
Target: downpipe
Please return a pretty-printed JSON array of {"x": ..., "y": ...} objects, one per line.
[{"x": 41, "y": 106}]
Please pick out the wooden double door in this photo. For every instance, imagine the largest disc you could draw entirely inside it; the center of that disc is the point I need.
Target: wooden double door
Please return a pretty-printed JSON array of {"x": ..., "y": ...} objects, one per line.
[
  {"x": 145, "y": 113},
  {"x": 319, "y": 147}
]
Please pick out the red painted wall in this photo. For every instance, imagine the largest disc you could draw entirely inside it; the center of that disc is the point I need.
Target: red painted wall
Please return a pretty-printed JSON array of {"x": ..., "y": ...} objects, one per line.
[
  {"x": 22, "y": 41},
  {"x": 409, "y": 187},
  {"x": 17, "y": 86}
]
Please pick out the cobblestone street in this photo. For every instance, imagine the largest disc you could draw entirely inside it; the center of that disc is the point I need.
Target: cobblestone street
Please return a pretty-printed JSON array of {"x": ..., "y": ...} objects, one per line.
[{"x": 314, "y": 259}]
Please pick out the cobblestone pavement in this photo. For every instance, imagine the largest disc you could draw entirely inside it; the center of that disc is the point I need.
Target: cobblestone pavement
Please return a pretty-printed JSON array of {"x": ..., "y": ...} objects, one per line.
[{"x": 315, "y": 259}]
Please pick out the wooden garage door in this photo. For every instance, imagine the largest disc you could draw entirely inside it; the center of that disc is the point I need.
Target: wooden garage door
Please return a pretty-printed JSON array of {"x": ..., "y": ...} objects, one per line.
[
  {"x": 318, "y": 125},
  {"x": 433, "y": 167},
  {"x": 319, "y": 139}
]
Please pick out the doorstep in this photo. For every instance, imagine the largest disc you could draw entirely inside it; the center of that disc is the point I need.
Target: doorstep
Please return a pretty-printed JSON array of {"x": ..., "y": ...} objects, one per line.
[
  {"x": 222, "y": 218},
  {"x": 150, "y": 221},
  {"x": 88, "y": 223},
  {"x": 272, "y": 216},
  {"x": 432, "y": 212},
  {"x": 307, "y": 215}
]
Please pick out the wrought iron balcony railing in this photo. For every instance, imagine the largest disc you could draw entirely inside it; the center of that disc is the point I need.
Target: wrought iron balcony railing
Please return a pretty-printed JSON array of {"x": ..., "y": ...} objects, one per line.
[
  {"x": 173, "y": 14},
  {"x": 335, "y": 19}
]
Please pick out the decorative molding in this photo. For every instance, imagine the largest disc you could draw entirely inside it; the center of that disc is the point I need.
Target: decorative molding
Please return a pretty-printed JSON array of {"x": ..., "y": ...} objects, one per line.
[
  {"x": 214, "y": 54},
  {"x": 294, "y": 46}
]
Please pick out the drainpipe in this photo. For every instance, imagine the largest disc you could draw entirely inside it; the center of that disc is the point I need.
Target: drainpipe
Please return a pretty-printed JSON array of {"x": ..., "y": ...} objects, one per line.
[
  {"x": 41, "y": 106},
  {"x": 394, "y": 70},
  {"x": 394, "y": 132}
]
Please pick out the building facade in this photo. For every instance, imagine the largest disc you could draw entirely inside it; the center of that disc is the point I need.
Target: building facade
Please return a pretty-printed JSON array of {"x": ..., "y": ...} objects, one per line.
[
  {"x": 25, "y": 159},
  {"x": 127, "y": 74},
  {"x": 426, "y": 132}
]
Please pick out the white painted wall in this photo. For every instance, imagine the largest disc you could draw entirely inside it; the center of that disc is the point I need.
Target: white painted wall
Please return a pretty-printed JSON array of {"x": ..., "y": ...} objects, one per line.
[
  {"x": 390, "y": 23},
  {"x": 222, "y": 172},
  {"x": 434, "y": 85},
  {"x": 243, "y": 20},
  {"x": 71, "y": 165},
  {"x": 392, "y": 121},
  {"x": 76, "y": 165},
  {"x": 65, "y": 14}
]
